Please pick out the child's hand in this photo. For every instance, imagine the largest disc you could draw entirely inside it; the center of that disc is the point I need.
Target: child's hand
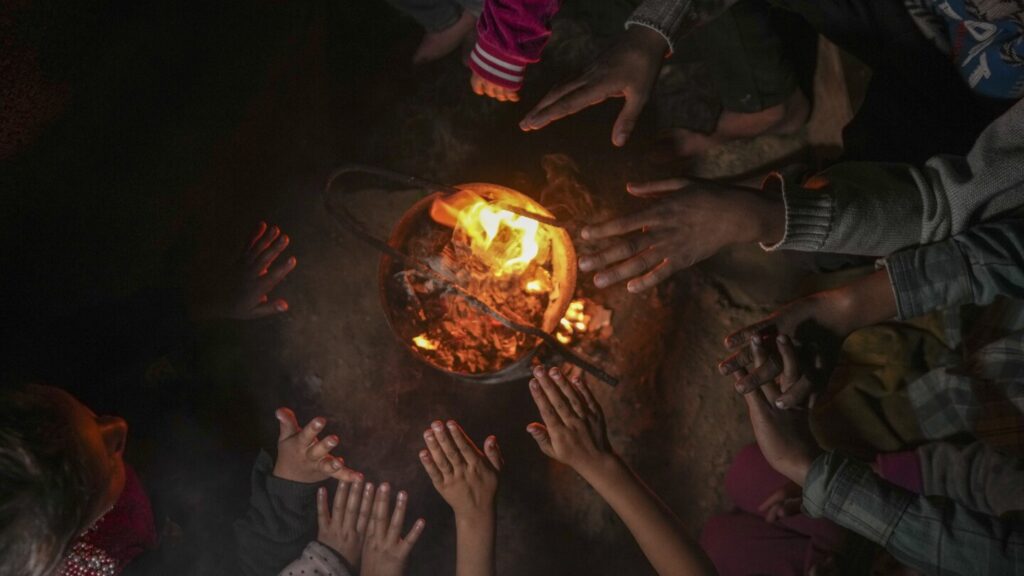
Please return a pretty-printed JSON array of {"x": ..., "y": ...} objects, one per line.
[
  {"x": 573, "y": 431},
  {"x": 784, "y": 436},
  {"x": 301, "y": 458},
  {"x": 785, "y": 501},
  {"x": 465, "y": 478},
  {"x": 343, "y": 527},
  {"x": 385, "y": 552},
  {"x": 484, "y": 87}
]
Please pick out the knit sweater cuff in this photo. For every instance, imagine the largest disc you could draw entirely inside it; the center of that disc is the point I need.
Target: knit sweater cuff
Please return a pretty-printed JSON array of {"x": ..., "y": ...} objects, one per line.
[
  {"x": 501, "y": 69},
  {"x": 809, "y": 216}
]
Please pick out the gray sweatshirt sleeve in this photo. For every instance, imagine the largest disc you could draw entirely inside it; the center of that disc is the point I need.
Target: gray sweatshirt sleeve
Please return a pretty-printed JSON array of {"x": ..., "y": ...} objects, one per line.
[
  {"x": 875, "y": 209},
  {"x": 970, "y": 268},
  {"x": 975, "y": 475},
  {"x": 676, "y": 18},
  {"x": 317, "y": 560}
]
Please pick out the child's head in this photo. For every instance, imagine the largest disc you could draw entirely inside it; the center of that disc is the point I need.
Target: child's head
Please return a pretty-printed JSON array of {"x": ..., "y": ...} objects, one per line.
[{"x": 61, "y": 468}]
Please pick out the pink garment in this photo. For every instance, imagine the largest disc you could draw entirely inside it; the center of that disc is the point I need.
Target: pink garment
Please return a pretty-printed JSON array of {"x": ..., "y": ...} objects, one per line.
[{"x": 511, "y": 34}]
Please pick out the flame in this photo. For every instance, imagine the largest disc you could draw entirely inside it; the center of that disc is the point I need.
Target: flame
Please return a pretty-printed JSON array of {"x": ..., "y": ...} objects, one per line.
[
  {"x": 424, "y": 342},
  {"x": 575, "y": 322},
  {"x": 506, "y": 241}
]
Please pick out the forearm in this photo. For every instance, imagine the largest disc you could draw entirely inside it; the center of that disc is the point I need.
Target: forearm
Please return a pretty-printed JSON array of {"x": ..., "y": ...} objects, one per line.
[
  {"x": 652, "y": 524},
  {"x": 475, "y": 538},
  {"x": 866, "y": 301},
  {"x": 673, "y": 19}
]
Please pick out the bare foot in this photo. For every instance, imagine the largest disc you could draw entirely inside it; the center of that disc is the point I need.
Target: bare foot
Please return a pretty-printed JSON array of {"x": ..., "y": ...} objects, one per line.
[
  {"x": 436, "y": 45},
  {"x": 785, "y": 118}
]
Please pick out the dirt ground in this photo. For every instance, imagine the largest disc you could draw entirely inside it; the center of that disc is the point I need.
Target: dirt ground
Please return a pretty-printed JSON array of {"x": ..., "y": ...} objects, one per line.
[{"x": 265, "y": 102}]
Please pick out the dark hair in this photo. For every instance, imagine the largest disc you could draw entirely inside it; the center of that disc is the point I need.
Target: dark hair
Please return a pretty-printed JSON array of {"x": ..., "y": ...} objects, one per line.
[{"x": 46, "y": 490}]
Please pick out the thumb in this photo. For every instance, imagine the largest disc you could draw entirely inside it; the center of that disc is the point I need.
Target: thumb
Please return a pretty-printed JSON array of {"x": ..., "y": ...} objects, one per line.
[
  {"x": 627, "y": 119},
  {"x": 288, "y": 425},
  {"x": 656, "y": 188},
  {"x": 543, "y": 439},
  {"x": 493, "y": 453}
]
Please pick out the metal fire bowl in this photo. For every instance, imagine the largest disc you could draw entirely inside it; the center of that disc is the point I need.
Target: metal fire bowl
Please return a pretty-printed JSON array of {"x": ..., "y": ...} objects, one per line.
[{"x": 563, "y": 265}]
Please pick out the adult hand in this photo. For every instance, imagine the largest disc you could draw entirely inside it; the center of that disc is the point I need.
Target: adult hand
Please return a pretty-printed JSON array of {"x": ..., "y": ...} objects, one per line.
[
  {"x": 626, "y": 70},
  {"x": 690, "y": 224},
  {"x": 465, "y": 477},
  {"x": 386, "y": 552},
  {"x": 243, "y": 293},
  {"x": 784, "y": 436},
  {"x": 301, "y": 457},
  {"x": 574, "y": 430},
  {"x": 342, "y": 527},
  {"x": 483, "y": 87}
]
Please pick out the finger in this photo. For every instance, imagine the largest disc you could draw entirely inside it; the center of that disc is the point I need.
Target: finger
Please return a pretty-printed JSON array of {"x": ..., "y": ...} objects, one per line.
[
  {"x": 636, "y": 266},
  {"x": 287, "y": 424},
  {"x": 766, "y": 368},
  {"x": 490, "y": 89},
  {"x": 264, "y": 242},
  {"x": 323, "y": 518},
  {"x": 334, "y": 466},
  {"x": 447, "y": 444},
  {"x": 772, "y": 499},
  {"x": 477, "y": 84},
  {"x": 796, "y": 395},
  {"x": 576, "y": 401},
  {"x": 652, "y": 278},
  {"x": 264, "y": 260},
  {"x": 365, "y": 506},
  {"x": 379, "y": 515},
  {"x": 493, "y": 453},
  {"x": 269, "y": 308},
  {"x": 437, "y": 454},
  {"x": 547, "y": 411},
  {"x": 308, "y": 435},
  {"x": 795, "y": 387},
  {"x": 413, "y": 536},
  {"x": 642, "y": 189},
  {"x": 253, "y": 238},
  {"x": 555, "y": 397},
  {"x": 740, "y": 360},
  {"x": 346, "y": 503},
  {"x": 623, "y": 225},
  {"x": 500, "y": 95},
  {"x": 398, "y": 517},
  {"x": 513, "y": 96},
  {"x": 533, "y": 118},
  {"x": 792, "y": 506},
  {"x": 339, "y": 508},
  {"x": 467, "y": 449},
  {"x": 571, "y": 103},
  {"x": 627, "y": 119},
  {"x": 317, "y": 451},
  {"x": 432, "y": 470},
  {"x": 757, "y": 407},
  {"x": 773, "y": 514},
  {"x": 592, "y": 404},
  {"x": 540, "y": 435},
  {"x": 275, "y": 275},
  {"x": 616, "y": 253},
  {"x": 742, "y": 337}
]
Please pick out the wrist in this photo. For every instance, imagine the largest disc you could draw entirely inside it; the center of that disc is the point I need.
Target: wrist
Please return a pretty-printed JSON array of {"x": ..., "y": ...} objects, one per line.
[
  {"x": 768, "y": 215},
  {"x": 475, "y": 519},
  {"x": 797, "y": 470},
  {"x": 865, "y": 301},
  {"x": 601, "y": 467},
  {"x": 647, "y": 40}
]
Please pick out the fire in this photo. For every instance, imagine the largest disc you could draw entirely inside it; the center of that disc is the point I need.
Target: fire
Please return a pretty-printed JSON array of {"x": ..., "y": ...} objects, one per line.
[
  {"x": 424, "y": 342},
  {"x": 575, "y": 322},
  {"x": 507, "y": 242}
]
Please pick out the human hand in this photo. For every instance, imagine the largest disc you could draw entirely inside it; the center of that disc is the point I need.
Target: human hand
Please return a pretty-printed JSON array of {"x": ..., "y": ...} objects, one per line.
[
  {"x": 302, "y": 458},
  {"x": 681, "y": 229},
  {"x": 784, "y": 436},
  {"x": 785, "y": 501},
  {"x": 484, "y": 87},
  {"x": 627, "y": 70},
  {"x": 465, "y": 477},
  {"x": 385, "y": 552},
  {"x": 343, "y": 526},
  {"x": 242, "y": 293},
  {"x": 573, "y": 431}
]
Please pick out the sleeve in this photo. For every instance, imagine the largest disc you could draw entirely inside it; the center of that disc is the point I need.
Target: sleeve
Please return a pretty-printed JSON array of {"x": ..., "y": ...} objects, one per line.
[
  {"x": 975, "y": 475},
  {"x": 875, "y": 209},
  {"x": 279, "y": 522},
  {"x": 511, "y": 34},
  {"x": 927, "y": 535},
  {"x": 971, "y": 268},
  {"x": 676, "y": 18},
  {"x": 317, "y": 559}
]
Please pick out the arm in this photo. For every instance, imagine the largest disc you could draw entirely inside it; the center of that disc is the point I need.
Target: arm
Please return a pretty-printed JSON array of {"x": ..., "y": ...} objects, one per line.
[
  {"x": 926, "y": 535},
  {"x": 511, "y": 34},
  {"x": 971, "y": 268},
  {"x": 676, "y": 18},
  {"x": 903, "y": 205},
  {"x": 574, "y": 433},
  {"x": 976, "y": 476},
  {"x": 317, "y": 558}
]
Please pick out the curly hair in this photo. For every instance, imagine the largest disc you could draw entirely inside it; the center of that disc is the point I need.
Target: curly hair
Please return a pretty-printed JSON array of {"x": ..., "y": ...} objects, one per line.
[{"x": 48, "y": 491}]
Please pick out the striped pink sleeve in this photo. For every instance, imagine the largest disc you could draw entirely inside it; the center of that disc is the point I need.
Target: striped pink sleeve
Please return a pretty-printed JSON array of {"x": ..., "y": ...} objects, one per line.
[{"x": 511, "y": 34}]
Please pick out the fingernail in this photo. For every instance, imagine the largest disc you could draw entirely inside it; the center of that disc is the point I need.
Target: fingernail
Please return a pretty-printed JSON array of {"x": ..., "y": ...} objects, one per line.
[
  {"x": 384, "y": 487},
  {"x": 755, "y": 341},
  {"x": 538, "y": 370},
  {"x": 282, "y": 306},
  {"x": 428, "y": 435},
  {"x": 585, "y": 234},
  {"x": 332, "y": 440},
  {"x": 436, "y": 425},
  {"x": 780, "y": 404},
  {"x": 600, "y": 281},
  {"x": 781, "y": 338},
  {"x": 534, "y": 385},
  {"x": 336, "y": 465},
  {"x": 451, "y": 424},
  {"x": 321, "y": 491},
  {"x": 424, "y": 454},
  {"x": 318, "y": 424},
  {"x": 402, "y": 496},
  {"x": 369, "y": 487},
  {"x": 585, "y": 262},
  {"x": 555, "y": 372},
  {"x": 619, "y": 139},
  {"x": 632, "y": 287}
]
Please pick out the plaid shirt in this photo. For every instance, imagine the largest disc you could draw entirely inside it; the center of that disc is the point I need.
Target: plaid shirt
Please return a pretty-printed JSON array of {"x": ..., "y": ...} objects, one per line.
[
  {"x": 931, "y": 535},
  {"x": 984, "y": 394}
]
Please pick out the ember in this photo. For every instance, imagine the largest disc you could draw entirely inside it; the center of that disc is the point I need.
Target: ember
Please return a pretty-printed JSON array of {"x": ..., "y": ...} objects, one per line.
[{"x": 520, "y": 268}]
